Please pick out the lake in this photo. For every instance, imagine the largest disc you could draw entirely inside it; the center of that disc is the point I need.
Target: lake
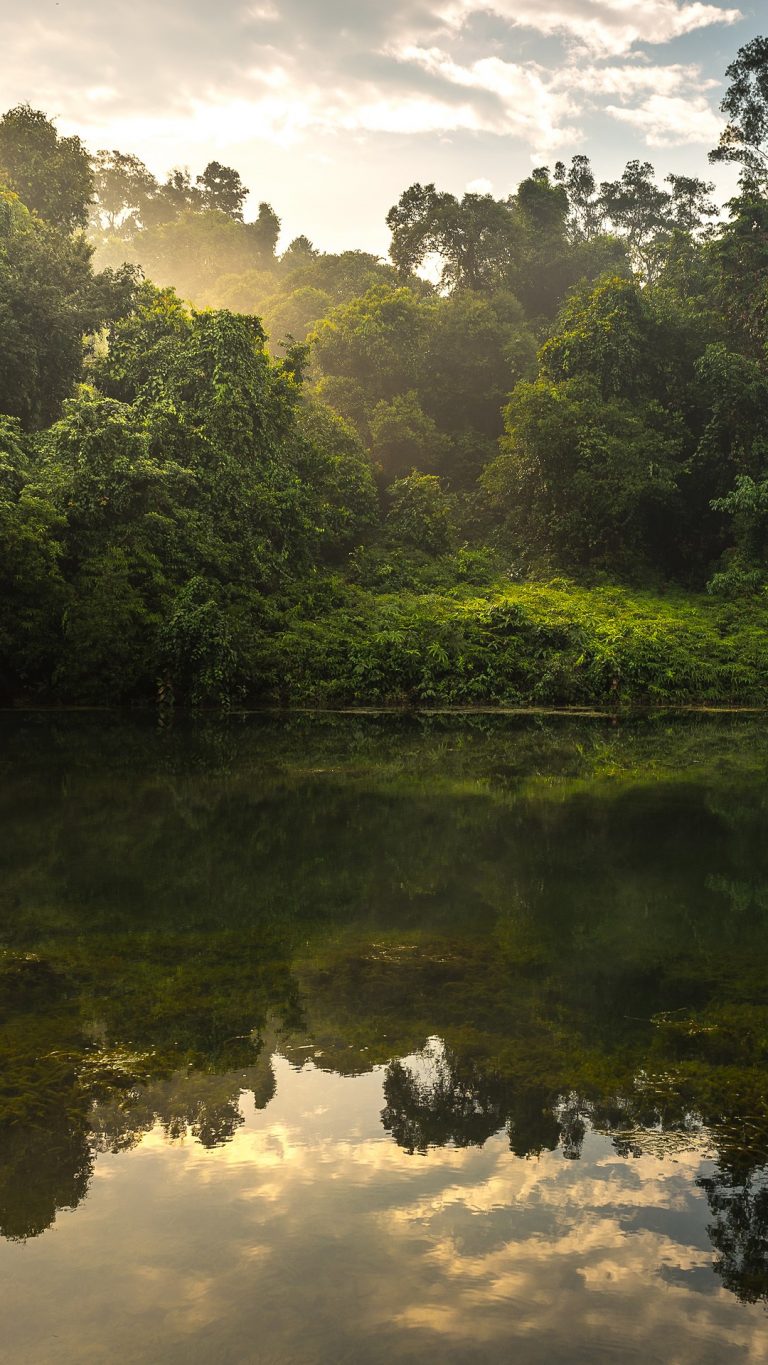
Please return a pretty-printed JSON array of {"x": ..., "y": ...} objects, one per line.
[{"x": 373, "y": 1038}]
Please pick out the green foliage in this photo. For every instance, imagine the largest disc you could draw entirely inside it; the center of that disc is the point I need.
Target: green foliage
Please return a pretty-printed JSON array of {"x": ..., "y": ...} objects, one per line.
[
  {"x": 377, "y": 339},
  {"x": 537, "y": 644},
  {"x": 419, "y": 513},
  {"x": 741, "y": 253},
  {"x": 605, "y": 332},
  {"x": 31, "y": 585},
  {"x": 403, "y": 437},
  {"x": 646, "y": 215},
  {"x": 222, "y": 189},
  {"x": 51, "y": 174},
  {"x": 423, "y": 378},
  {"x": 196, "y": 650},
  {"x": 293, "y": 316},
  {"x": 334, "y": 464},
  {"x": 475, "y": 237},
  {"x": 520, "y": 245},
  {"x": 582, "y": 481},
  {"x": 215, "y": 492},
  {"x": 49, "y": 297}
]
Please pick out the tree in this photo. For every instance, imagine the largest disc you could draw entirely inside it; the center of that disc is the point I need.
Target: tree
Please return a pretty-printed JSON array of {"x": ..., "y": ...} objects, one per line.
[
  {"x": 221, "y": 188},
  {"x": 419, "y": 513},
  {"x": 49, "y": 297},
  {"x": 403, "y": 437},
  {"x": 744, "y": 139},
  {"x": 123, "y": 190},
  {"x": 177, "y": 195},
  {"x": 690, "y": 203},
  {"x": 332, "y": 460},
  {"x": 31, "y": 585},
  {"x": 298, "y": 252},
  {"x": 477, "y": 347},
  {"x": 264, "y": 232},
  {"x": 345, "y": 275},
  {"x": 51, "y": 174},
  {"x": 213, "y": 401},
  {"x": 586, "y": 212},
  {"x": 584, "y": 480},
  {"x": 605, "y": 332},
  {"x": 294, "y": 315},
  {"x": 377, "y": 339},
  {"x": 542, "y": 205},
  {"x": 194, "y": 251},
  {"x": 647, "y": 216},
  {"x": 476, "y": 238},
  {"x": 741, "y": 253}
]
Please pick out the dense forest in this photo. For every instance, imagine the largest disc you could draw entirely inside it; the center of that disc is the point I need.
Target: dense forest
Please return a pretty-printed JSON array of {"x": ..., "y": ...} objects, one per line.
[{"x": 525, "y": 460}]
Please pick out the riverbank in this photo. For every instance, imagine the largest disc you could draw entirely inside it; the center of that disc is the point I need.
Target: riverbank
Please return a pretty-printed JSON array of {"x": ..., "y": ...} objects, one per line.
[
  {"x": 332, "y": 642},
  {"x": 535, "y": 644}
]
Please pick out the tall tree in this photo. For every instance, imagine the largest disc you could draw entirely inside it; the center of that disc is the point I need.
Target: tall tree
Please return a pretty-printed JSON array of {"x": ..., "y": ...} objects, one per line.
[
  {"x": 646, "y": 215},
  {"x": 123, "y": 187},
  {"x": 744, "y": 139},
  {"x": 52, "y": 175},
  {"x": 264, "y": 231},
  {"x": 476, "y": 237},
  {"x": 221, "y": 188},
  {"x": 586, "y": 217},
  {"x": 49, "y": 297}
]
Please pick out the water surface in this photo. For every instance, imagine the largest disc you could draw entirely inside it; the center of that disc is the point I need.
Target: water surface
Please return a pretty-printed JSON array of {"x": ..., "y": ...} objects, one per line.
[{"x": 370, "y": 1038}]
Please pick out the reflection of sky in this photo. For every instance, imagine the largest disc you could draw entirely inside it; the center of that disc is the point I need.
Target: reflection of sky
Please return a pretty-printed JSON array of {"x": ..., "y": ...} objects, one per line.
[{"x": 312, "y": 1237}]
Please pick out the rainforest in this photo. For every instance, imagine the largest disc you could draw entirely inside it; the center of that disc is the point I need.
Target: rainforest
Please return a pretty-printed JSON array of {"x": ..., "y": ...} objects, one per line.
[{"x": 522, "y": 461}]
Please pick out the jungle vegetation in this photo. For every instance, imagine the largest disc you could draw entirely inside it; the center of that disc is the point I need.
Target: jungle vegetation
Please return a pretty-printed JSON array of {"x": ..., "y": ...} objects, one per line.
[{"x": 523, "y": 460}]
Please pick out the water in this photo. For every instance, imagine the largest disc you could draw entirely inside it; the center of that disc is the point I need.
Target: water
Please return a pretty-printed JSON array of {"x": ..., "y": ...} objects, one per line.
[{"x": 371, "y": 1039}]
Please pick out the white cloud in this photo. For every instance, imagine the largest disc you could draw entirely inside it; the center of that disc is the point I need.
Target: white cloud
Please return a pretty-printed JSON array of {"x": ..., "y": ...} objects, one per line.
[
  {"x": 607, "y": 27},
  {"x": 525, "y": 102},
  {"x": 629, "y": 80},
  {"x": 671, "y": 120},
  {"x": 479, "y": 186}
]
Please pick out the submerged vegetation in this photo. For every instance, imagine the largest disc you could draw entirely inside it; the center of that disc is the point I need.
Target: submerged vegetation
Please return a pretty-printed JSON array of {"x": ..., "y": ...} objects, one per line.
[{"x": 231, "y": 475}]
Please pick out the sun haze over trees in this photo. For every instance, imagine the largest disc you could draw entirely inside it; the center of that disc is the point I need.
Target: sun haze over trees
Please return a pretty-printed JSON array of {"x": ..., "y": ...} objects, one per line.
[{"x": 233, "y": 471}]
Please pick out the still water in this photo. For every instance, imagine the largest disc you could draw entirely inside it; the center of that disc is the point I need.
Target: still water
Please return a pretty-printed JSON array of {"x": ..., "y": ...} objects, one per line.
[{"x": 373, "y": 1039}]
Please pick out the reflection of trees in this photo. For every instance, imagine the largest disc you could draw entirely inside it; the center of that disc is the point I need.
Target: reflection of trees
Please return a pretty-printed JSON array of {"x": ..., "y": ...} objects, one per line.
[
  {"x": 42, "y": 1169},
  {"x": 738, "y": 1199},
  {"x": 449, "y": 1104},
  {"x": 46, "y": 1163},
  {"x": 205, "y": 1106},
  {"x": 69, "y": 1089}
]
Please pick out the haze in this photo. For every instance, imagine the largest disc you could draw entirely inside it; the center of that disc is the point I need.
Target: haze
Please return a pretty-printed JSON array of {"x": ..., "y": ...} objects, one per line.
[{"x": 329, "y": 110}]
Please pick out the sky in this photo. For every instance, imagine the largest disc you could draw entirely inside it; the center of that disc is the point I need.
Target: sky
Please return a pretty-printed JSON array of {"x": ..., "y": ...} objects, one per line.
[{"x": 330, "y": 108}]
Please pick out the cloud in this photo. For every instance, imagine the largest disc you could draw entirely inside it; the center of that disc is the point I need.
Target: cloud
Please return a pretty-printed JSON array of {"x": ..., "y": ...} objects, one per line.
[
  {"x": 607, "y": 27},
  {"x": 628, "y": 80},
  {"x": 280, "y": 73},
  {"x": 671, "y": 120},
  {"x": 518, "y": 100}
]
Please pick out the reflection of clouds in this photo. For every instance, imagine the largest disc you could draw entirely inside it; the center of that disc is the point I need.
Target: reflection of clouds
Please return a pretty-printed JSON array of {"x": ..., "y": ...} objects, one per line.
[{"x": 311, "y": 1237}]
